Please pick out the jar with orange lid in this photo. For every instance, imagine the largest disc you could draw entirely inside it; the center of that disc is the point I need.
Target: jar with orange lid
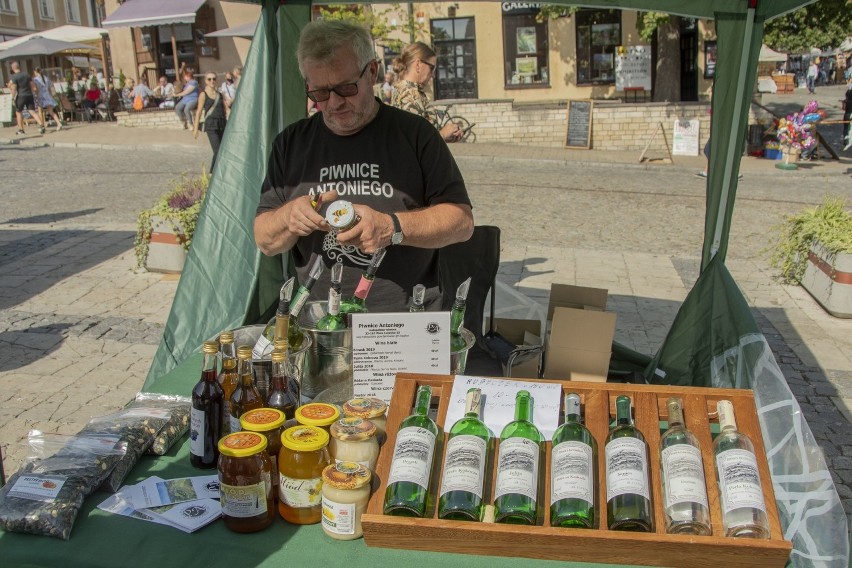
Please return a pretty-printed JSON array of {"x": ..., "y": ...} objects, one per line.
[
  {"x": 318, "y": 414},
  {"x": 345, "y": 494},
  {"x": 303, "y": 456},
  {"x": 354, "y": 440},
  {"x": 269, "y": 422},
  {"x": 368, "y": 408},
  {"x": 245, "y": 482}
]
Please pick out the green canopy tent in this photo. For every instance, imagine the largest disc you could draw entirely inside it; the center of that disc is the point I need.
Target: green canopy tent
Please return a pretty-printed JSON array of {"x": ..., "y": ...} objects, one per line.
[{"x": 227, "y": 283}]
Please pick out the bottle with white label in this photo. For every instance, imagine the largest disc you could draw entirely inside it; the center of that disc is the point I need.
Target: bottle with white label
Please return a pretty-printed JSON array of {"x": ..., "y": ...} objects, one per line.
[
  {"x": 518, "y": 466},
  {"x": 573, "y": 471},
  {"x": 467, "y": 453},
  {"x": 743, "y": 506},
  {"x": 684, "y": 489},
  {"x": 411, "y": 465},
  {"x": 628, "y": 496}
]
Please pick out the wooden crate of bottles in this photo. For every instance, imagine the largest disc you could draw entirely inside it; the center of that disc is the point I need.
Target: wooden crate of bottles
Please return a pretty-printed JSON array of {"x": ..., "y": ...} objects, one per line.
[{"x": 586, "y": 545}]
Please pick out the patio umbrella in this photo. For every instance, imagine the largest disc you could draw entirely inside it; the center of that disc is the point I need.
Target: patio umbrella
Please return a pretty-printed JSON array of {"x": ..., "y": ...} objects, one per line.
[{"x": 38, "y": 45}]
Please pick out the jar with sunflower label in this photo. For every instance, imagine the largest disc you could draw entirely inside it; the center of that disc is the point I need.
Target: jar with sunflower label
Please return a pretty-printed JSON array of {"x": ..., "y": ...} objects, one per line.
[
  {"x": 345, "y": 493},
  {"x": 319, "y": 414},
  {"x": 354, "y": 440},
  {"x": 266, "y": 421},
  {"x": 368, "y": 408},
  {"x": 303, "y": 456},
  {"x": 245, "y": 482}
]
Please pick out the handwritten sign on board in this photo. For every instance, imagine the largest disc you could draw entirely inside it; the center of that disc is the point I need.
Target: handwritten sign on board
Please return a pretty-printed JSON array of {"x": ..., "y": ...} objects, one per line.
[
  {"x": 498, "y": 402},
  {"x": 685, "y": 139},
  {"x": 579, "y": 134}
]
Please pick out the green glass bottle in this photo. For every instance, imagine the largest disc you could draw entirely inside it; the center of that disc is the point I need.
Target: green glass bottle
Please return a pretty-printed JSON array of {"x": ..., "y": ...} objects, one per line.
[
  {"x": 295, "y": 335},
  {"x": 518, "y": 466},
  {"x": 464, "y": 465},
  {"x": 411, "y": 465},
  {"x": 358, "y": 302},
  {"x": 573, "y": 471},
  {"x": 332, "y": 320},
  {"x": 417, "y": 297},
  {"x": 628, "y": 501},
  {"x": 263, "y": 347},
  {"x": 457, "y": 342}
]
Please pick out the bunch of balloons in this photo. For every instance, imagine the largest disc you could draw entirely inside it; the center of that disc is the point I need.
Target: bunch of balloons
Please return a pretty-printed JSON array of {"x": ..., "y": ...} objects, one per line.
[{"x": 797, "y": 130}]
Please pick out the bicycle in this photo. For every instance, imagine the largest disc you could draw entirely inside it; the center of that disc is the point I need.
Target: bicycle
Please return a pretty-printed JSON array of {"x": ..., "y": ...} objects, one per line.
[{"x": 445, "y": 117}]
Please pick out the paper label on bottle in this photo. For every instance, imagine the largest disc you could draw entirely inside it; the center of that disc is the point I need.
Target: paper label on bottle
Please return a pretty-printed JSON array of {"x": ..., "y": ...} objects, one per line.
[
  {"x": 412, "y": 456},
  {"x": 464, "y": 466},
  {"x": 262, "y": 347},
  {"x": 197, "y": 431},
  {"x": 235, "y": 424},
  {"x": 300, "y": 493},
  {"x": 739, "y": 480},
  {"x": 333, "y": 302},
  {"x": 299, "y": 302},
  {"x": 338, "y": 518},
  {"x": 571, "y": 472},
  {"x": 626, "y": 468},
  {"x": 38, "y": 487},
  {"x": 363, "y": 288},
  {"x": 683, "y": 474},
  {"x": 244, "y": 500},
  {"x": 517, "y": 468}
]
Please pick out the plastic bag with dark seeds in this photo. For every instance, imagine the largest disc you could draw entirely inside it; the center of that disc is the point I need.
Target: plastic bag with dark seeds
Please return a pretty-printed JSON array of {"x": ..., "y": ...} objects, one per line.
[{"x": 177, "y": 425}]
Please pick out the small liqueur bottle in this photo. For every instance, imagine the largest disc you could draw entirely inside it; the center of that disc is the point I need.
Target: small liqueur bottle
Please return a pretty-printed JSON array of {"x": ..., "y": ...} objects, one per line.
[
  {"x": 684, "y": 489},
  {"x": 281, "y": 395},
  {"x": 457, "y": 342},
  {"x": 332, "y": 320},
  {"x": 417, "y": 297},
  {"x": 628, "y": 502},
  {"x": 411, "y": 465},
  {"x": 464, "y": 466},
  {"x": 573, "y": 471},
  {"x": 206, "y": 413},
  {"x": 295, "y": 333},
  {"x": 290, "y": 370},
  {"x": 358, "y": 302},
  {"x": 263, "y": 346},
  {"x": 228, "y": 377},
  {"x": 246, "y": 396},
  {"x": 518, "y": 465},
  {"x": 743, "y": 507}
]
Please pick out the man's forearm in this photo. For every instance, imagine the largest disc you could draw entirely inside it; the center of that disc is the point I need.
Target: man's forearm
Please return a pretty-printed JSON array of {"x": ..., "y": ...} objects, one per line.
[
  {"x": 436, "y": 226},
  {"x": 271, "y": 233}
]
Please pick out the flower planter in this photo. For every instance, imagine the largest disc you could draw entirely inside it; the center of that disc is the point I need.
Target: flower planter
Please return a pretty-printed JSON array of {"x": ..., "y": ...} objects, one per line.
[
  {"x": 828, "y": 278},
  {"x": 166, "y": 252}
]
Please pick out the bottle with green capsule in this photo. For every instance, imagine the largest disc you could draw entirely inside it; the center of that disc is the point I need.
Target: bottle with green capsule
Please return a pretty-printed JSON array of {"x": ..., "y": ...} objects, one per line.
[
  {"x": 333, "y": 320},
  {"x": 573, "y": 471},
  {"x": 457, "y": 342},
  {"x": 518, "y": 467}
]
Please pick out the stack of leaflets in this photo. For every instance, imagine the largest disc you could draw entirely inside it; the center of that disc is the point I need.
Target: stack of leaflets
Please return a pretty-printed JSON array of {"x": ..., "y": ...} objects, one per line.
[{"x": 188, "y": 503}]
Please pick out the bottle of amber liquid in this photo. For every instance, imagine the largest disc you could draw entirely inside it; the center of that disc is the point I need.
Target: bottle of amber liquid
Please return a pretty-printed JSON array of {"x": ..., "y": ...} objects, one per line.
[
  {"x": 281, "y": 395},
  {"x": 246, "y": 396},
  {"x": 228, "y": 377},
  {"x": 206, "y": 413}
]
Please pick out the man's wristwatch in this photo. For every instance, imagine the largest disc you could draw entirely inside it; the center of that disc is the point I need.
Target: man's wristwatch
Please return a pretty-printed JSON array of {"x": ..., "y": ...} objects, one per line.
[{"x": 396, "y": 238}]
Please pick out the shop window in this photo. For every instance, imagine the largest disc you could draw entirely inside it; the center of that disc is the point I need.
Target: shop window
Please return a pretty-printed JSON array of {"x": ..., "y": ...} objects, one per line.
[
  {"x": 45, "y": 9},
  {"x": 72, "y": 11},
  {"x": 454, "y": 40},
  {"x": 9, "y": 6},
  {"x": 525, "y": 50},
  {"x": 598, "y": 35}
]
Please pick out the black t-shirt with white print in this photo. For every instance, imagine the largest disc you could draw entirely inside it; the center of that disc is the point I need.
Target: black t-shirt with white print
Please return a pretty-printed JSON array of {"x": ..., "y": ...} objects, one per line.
[{"x": 397, "y": 162}]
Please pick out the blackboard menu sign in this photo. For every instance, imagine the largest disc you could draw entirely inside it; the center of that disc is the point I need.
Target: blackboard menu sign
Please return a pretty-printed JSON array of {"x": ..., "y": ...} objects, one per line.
[{"x": 579, "y": 134}]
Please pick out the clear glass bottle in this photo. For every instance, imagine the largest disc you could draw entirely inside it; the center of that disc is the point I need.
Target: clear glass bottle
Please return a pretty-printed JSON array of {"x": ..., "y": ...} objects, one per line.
[
  {"x": 228, "y": 377},
  {"x": 457, "y": 342},
  {"x": 684, "y": 490},
  {"x": 358, "y": 302},
  {"x": 628, "y": 500},
  {"x": 333, "y": 320},
  {"x": 246, "y": 396},
  {"x": 411, "y": 465},
  {"x": 740, "y": 490},
  {"x": 417, "y": 297},
  {"x": 518, "y": 467},
  {"x": 206, "y": 413},
  {"x": 463, "y": 479},
  {"x": 279, "y": 321},
  {"x": 281, "y": 393},
  {"x": 295, "y": 333},
  {"x": 573, "y": 471}
]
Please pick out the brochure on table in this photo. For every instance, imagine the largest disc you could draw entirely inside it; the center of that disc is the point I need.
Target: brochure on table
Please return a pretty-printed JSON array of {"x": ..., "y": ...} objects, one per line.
[{"x": 389, "y": 343}]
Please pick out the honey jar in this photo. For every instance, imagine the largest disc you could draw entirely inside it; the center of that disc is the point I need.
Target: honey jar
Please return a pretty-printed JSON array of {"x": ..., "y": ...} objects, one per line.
[
  {"x": 354, "y": 440},
  {"x": 245, "y": 482},
  {"x": 269, "y": 422},
  {"x": 318, "y": 414},
  {"x": 369, "y": 408},
  {"x": 341, "y": 216},
  {"x": 345, "y": 493},
  {"x": 303, "y": 456}
]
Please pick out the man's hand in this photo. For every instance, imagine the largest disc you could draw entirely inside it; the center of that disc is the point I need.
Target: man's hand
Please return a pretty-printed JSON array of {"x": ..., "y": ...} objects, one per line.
[
  {"x": 302, "y": 217},
  {"x": 278, "y": 230},
  {"x": 371, "y": 233}
]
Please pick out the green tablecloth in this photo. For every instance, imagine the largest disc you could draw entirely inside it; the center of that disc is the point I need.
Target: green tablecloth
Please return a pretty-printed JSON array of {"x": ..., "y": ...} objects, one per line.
[{"x": 102, "y": 539}]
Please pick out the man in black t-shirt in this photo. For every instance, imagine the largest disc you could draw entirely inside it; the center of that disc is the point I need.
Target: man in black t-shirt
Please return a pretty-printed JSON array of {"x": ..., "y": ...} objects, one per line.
[
  {"x": 24, "y": 90},
  {"x": 392, "y": 165}
]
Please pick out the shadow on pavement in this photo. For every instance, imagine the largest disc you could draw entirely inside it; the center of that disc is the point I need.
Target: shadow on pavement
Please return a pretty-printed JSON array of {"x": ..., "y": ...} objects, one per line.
[
  {"x": 54, "y": 217},
  {"x": 24, "y": 346}
]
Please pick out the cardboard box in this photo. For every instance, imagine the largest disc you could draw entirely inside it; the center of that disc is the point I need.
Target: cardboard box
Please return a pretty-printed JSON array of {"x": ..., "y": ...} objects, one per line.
[{"x": 518, "y": 331}]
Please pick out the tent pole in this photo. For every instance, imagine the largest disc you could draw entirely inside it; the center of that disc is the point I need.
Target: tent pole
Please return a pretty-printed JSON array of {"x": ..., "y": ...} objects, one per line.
[{"x": 732, "y": 142}]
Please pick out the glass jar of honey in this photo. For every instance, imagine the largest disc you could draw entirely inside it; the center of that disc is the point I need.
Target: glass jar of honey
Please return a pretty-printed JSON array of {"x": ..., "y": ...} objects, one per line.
[
  {"x": 303, "y": 456},
  {"x": 345, "y": 494},
  {"x": 318, "y": 414},
  {"x": 354, "y": 440},
  {"x": 245, "y": 482},
  {"x": 368, "y": 408},
  {"x": 269, "y": 422}
]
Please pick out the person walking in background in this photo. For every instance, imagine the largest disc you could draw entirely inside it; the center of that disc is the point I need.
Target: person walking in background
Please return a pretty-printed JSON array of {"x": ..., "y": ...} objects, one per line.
[
  {"x": 24, "y": 91},
  {"x": 813, "y": 73},
  {"x": 415, "y": 67},
  {"x": 189, "y": 99},
  {"x": 387, "y": 88},
  {"x": 210, "y": 115},
  {"x": 46, "y": 102},
  {"x": 229, "y": 91}
]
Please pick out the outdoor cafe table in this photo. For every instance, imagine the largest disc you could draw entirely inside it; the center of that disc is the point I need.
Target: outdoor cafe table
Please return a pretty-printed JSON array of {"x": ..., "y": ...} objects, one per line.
[{"x": 100, "y": 539}]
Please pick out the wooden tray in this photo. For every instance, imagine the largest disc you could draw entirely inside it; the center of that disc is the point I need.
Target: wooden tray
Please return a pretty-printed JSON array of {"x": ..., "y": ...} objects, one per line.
[{"x": 594, "y": 545}]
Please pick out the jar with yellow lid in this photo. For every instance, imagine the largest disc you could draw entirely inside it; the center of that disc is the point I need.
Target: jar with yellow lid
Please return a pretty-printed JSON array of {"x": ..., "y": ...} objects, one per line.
[
  {"x": 345, "y": 494},
  {"x": 269, "y": 422},
  {"x": 318, "y": 414},
  {"x": 354, "y": 440},
  {"x": 245, "y": 482},
  {"x": 303, "y": 456},
  {"x": 368, "y": 408}
]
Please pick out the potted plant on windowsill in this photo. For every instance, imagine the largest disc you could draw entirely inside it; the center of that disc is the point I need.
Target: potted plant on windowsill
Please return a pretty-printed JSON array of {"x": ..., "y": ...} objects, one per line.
[
  {"x": 164, "y": 232},
  {"x": 814, "y": 249}
]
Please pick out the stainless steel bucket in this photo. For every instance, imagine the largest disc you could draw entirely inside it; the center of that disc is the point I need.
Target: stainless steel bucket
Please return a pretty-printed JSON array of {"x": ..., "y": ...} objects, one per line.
[
  {"x": 262, "y": 368},
  {"x": 327, "y": 370},
  {"x": 458, "y": 359}
]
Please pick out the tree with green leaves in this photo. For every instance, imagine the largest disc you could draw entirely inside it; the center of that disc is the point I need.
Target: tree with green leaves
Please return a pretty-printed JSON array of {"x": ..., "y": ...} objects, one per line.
[
  {"x": 377, "y": 21},
  {"x": 823, "y": 25}
]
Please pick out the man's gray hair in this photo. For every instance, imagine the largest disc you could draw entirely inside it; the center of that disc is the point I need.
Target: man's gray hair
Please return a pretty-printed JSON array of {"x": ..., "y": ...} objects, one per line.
[{"x": 321, "y": 38}]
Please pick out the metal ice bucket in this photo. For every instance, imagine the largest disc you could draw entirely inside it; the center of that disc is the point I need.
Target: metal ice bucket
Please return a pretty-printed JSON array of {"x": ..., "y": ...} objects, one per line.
[
  {"x": 327, "y": 370},
  {"x": 262, "y": 368},
  {"x": 458, "y": 359}
]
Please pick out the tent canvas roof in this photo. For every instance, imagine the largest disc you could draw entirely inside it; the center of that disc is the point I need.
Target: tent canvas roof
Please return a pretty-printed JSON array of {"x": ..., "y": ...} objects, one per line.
[
  {"x": 245, "y": 30},
  {"x": 769, "y": 54},
  {"x": 80, "y": 34}
]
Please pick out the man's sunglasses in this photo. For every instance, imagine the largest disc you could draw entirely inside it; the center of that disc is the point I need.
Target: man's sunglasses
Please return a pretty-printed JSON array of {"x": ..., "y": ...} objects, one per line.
[{"x": 345, "y": 90}]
